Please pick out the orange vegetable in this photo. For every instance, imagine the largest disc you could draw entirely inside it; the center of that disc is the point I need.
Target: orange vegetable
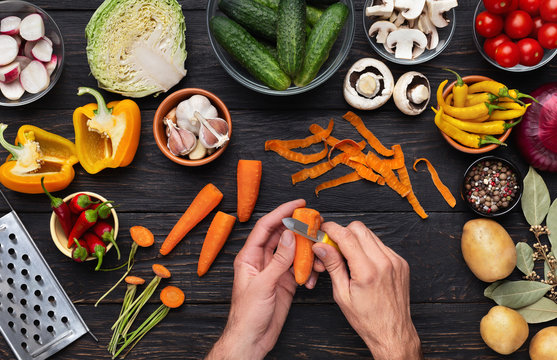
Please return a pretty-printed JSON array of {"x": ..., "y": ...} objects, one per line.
[
  {"x": 207, "y": 199},
  {"x": 248, "y": 180},
  {"x": 161, "y": 271},
  {"x": 387, "y": 173},
  {"x": 449, "y": 198},
  {"x": 303, "y": 260},
  {"x": 218, "y": 232},
  {"x": 357, "y": 122},
  {"x": 142, "y": 236},
  {"x": 348, "y": 178},
  {"x": 318, "y": 170},
  {"x": 134, "y": 280},
  {"x": 296, "y": 156},
  {"x": 172, "y": 297},
  {"x": 398, "y": 159},
  {"x": 411, "y": 197},
  {"x": 303, "y": 143}
]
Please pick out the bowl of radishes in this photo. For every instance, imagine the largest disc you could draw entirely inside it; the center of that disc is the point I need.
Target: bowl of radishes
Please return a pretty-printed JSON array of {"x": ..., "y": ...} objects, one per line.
[{"x": 31, "y": 53}]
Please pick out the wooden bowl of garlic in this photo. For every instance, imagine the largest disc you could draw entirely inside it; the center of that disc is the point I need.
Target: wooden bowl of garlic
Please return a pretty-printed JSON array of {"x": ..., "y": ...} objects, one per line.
[{"x": 192, "y": 127}]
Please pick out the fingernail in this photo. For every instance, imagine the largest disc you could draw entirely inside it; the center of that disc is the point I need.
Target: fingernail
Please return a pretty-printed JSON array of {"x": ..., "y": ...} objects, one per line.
[
  {"x": 287, "y": 239},
  {"x": 320, "y": 252}
]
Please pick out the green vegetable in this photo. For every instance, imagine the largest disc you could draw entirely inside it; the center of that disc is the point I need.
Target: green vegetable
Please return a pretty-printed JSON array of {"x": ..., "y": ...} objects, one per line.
[
  {"x": 258, "y": 19},
  {"x": 322, "y": 2},
  {"x": 320, "y": 41},
  {"x": 291, "y": 35},
  {"x": 312, "y": 13},
  {"x": 249, "y": 52},
  {"x": 137, "y": 47}
]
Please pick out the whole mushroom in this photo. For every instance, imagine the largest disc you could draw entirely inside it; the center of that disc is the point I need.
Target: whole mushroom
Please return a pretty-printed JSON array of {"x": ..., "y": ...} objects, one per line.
[
  {"x": 412, "y": 92},
  {"x": 368, "y": 84}
]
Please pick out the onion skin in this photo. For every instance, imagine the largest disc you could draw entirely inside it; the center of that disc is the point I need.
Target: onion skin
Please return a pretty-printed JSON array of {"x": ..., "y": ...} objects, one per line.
[{"x": 537, "y": 133}]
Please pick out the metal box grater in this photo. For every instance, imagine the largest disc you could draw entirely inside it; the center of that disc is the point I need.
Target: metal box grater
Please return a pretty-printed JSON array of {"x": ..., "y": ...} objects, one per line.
[{"x": 37, "y": 318}]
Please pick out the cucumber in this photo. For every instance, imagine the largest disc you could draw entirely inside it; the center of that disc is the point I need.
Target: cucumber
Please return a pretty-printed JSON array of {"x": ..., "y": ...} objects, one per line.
[
  {"x": 312, "y": 13},
  {"x": 249, "y": 52},
  {"x": 291, "y": 35},
  {"x": 258, "y": 19},
  {"x": 322, "y": 2},
  {"x": 320, "y": 41}
]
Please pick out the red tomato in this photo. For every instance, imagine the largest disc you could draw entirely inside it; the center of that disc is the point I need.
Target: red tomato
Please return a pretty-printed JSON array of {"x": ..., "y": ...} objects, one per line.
[
  {"x": 507, "y": 54},
  {"x": 548, "y": 10},
  {"x": 491, "y": 44},
  {"x": 531, "y": 52},
  {"x": 532, "y": 7},
  {"x": 538, "y": 22},
  {"x": 500, "y": 6},
  {"x": 547, "y": 36},
  {"x": 489, "y": 25},
  {"x": 518, "y": 24}
]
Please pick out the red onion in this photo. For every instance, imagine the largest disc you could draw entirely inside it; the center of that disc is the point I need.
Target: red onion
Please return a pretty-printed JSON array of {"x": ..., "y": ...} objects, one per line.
[{"x": 537, "y": 133}]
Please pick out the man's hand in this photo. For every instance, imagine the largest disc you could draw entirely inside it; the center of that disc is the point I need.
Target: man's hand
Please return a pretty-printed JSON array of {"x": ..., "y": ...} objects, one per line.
[{"x": 375, "y": 295}]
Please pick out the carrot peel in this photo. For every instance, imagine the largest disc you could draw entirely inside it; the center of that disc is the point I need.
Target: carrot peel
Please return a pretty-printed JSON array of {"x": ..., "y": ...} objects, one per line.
[
  {"x": 348, "y": 178},
  {"x": 218, "y": 233},
  {"x": 442, "y": 188}
]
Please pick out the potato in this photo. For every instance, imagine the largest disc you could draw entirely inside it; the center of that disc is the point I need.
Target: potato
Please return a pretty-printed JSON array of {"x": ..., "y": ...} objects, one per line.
[
  {"x": 488, "y": 250},
  {"x": 503, "y": 329},
  {"x": 544, "y": 344}
]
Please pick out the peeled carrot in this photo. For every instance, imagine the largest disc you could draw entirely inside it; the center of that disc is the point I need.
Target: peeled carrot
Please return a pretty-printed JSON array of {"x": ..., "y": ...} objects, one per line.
[
  {"x": 172, "y": 297},
  {"x": 142, "y": 236},
  {"x": 248, "y": 178},
  {"x": 218, "y": 232},
  {"x": 303, "y": 260},
  {"x": 207, "y": 199}
]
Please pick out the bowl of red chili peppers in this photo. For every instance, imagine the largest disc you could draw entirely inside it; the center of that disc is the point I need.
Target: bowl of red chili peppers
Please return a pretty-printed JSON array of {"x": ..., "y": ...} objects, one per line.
[{"x": 87, "y": 217}]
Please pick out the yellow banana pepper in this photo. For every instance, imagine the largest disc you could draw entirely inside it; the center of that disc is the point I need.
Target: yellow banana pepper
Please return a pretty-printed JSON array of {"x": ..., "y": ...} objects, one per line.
[
  {"x": 460, "y": 90},
  {"x": 512, "y": 113},
  {"x": 464, "y": 113},
  {"x": 106, "y": 135},
  {"x": 37, "y": 153},
  {"x": 480, "y": 98},
  {"x": 498, "y": 89}
]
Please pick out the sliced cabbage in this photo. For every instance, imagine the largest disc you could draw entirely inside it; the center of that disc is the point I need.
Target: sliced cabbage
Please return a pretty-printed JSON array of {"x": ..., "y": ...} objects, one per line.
[{"x": 137, "y": 47}]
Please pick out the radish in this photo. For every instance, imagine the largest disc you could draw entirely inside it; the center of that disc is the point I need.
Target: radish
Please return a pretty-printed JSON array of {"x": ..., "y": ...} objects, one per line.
[
  {"x": 27, "y": 49},
  {"x": 8, "y": 49},
  {"x": 32, "y": 27},
  {"x": 10, "y": 72},
  {"x": 42, "y": 51},
  {"x": 51, "y": 65},
  {"x": 34, "y": 77},
  {"x": 10, "y": 25},
  {"x": 12, "y": 91},
  {"x": 23, "y": 61},
  {"x": 47, "y": 40},
  {"x": 18, "y": 40}
]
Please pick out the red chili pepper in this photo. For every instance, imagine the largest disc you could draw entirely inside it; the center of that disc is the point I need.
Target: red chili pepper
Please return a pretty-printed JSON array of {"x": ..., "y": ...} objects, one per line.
[
  {"x": 80, "y": 252},
  {"x": 96, "y": 246},
  {"x": 61, "y": 210},
  {"x": 105, "y": 211},
  {"x": 106, "y": 232},
  {"x": 84, "y": 222},
  {"x": 80, "y": 203}
]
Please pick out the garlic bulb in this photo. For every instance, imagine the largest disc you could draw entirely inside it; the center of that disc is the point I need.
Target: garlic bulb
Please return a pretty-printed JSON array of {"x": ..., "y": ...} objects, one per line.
[
  {"x": 213, "y": 132},
  {"x": 185, "y": 112},
  {"x": 180, "y": 141}
]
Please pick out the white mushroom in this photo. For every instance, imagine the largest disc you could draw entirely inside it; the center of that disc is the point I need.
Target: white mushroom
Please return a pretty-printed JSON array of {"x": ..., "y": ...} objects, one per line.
[
  {"x": 368, "y": 84},
  {"x": 404, "y": 40},
  {"x": 411, "y": 93},
  {"x": 410, "y": 9},
  {"x": 436, "y": 10},
  {"x": 399, "y": 20},
  {"x": 383, "y": 29},
  {"x": 383, "y": 9},
  {"x": 425, "y": 26}
]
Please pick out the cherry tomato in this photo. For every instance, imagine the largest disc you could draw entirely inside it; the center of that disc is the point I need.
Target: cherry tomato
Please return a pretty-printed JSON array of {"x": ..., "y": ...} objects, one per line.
[
  {"x": 489, "y": 25},
  {"x": 532, "y": 7},
  {"x": 507, "y": 54},
  {"x": 531, "y": 52},
  {"x": 548, "y": 10},
  {"x": 518, "y": 24},
  {"x": 547, "y": 36},
  {"x": 538, "y": 22},
  {"x": 491, "y": 44},
  {"x": 500, "y": 6}
]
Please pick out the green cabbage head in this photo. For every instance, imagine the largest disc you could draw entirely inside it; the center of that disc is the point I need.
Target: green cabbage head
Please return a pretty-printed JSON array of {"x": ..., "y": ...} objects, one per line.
[{"x": 137, "y": 47}]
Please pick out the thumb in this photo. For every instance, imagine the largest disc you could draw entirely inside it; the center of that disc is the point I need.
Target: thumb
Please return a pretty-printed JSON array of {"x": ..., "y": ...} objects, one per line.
[
  {"x": 334, "y": 263},
  {"x": 282, "y": 259}
]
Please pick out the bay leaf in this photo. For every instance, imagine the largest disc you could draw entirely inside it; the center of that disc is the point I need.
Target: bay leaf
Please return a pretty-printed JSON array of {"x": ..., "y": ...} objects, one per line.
[
  {"x": 535, "y": 198},
  {"x": 551, "y": 223},
  {"x": 488, "y": 292},
  {"x": 517, "y": 294},
  {"x": 541, "y": 311},
  {"x": 524, "y": 258}
]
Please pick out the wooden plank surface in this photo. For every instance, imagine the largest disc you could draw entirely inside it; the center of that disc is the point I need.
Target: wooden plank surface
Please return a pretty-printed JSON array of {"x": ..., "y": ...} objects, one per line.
[{"x": 447, "y": 300}]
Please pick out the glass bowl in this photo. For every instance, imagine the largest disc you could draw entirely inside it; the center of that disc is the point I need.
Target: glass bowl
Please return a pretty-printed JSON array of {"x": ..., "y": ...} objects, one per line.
[
  {"x": 445, "y": 36},
  {"x": 479, "y": 41},
  {"x": 337, "y": 56},
  {"x": 22, "y": 9}
]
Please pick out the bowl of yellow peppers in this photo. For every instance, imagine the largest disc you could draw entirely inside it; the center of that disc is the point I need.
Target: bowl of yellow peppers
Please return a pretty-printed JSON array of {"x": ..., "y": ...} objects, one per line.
[{"x": 476, "y": 114}]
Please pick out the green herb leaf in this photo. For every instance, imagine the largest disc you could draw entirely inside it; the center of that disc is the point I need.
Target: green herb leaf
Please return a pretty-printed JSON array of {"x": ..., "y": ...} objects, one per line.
[
  {"x": 535, "y": 198},
  {"x": 488, "y": 292},
  {"x": 541, "y": 311},
  {"x": 524, "y": 258},
  {"x": 551, "y": 223},
  {"x": 517, "y": 294}
]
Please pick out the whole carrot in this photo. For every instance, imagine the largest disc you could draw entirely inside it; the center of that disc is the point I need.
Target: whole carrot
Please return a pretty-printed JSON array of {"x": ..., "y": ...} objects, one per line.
[
  {"x": 207, "y": 199},
  {"x": 218, "y": 232},
  {"x": 303, "y": 259},
  {"x": 248, "y": 178}
]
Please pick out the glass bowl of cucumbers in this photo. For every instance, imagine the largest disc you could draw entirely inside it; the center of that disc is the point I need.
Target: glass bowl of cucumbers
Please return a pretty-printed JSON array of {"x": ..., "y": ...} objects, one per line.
[{"x": 244, "y": 40}]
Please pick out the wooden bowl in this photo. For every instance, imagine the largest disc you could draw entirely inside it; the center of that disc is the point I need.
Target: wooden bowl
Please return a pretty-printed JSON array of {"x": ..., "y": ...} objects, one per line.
[
  {"x": 470, "y": 80},
  {"x": 159, "y": 130},
  {"x": 59, "y": 237}
]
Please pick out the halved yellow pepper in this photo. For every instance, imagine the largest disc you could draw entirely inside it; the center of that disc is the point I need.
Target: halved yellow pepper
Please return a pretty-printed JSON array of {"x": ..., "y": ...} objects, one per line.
[
  {"x": 37, "y": 153},
  {"x": 106, "y": 135}
]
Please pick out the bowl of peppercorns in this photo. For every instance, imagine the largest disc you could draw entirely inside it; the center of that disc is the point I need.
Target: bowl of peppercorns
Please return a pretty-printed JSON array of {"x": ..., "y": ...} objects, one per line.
[{"x": 492, "y": 186}]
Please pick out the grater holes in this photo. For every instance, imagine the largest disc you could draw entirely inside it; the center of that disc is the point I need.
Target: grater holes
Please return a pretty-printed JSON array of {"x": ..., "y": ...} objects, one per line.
[
  {"x": 24, "y": 345},
  {"x": 37, "y": 308},
  {"x": 64, "y": 319},
  {"x": 23, "y": 331},
  {"x": 36, "y": 337},
  {"x": 38, "y": 293},
  {"x": 23, "y": 287},
  {"x": 51, "y": 299},
  {"x": 11, "y": 266},
  {"x": 11, "y": 324},
  {"x": 11, "y": 251},
  {"x": 24, "y": 272},
  {"x": 38, "y": 278},
  {"x": 23, "y": 317},
  {"x": 10, "y": 296},
  {"x": 23, "y": 302},
  {"x": 13, "y": 237},
  {"x": 11, "y": 310},
  {"x": 10, "y": 281},
  {"x": 50, "y": 328},
  {"x": 25, "y": 258},
  {"x": 37, "y": 323},
  {"x": 50, "y": 314}
]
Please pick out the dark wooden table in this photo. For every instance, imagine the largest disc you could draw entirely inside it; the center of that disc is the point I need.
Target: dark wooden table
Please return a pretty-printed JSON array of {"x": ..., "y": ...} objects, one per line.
[{"x": 447, "y": 300}]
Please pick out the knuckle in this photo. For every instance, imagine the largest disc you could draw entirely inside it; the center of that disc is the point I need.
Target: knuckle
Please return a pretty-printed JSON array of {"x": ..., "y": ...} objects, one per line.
[{"x": 385, "y": 266}]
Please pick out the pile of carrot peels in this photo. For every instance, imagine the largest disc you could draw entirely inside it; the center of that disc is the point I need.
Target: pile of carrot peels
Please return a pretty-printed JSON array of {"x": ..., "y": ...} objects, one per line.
[{"x": 381, "y": 166}]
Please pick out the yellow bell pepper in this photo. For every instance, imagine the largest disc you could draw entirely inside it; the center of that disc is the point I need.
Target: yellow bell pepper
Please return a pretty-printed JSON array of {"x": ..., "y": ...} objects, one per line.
[
  {"x": 106, "y": 135},
  {"x": 37, "y": 153}
]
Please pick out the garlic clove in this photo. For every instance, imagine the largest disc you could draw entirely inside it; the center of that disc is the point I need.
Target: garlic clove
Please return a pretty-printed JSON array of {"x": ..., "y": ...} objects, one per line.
[
  {"x": 199, "y": 152},
  {"x": 180, "y": 141},
  {"x": 213, "y": 133},
  {"x": 185, "y": 112}
]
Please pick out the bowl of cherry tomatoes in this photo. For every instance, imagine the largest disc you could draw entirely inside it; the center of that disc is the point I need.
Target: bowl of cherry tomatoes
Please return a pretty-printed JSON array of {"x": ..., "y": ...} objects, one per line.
[{"x": 516, "y": 35}]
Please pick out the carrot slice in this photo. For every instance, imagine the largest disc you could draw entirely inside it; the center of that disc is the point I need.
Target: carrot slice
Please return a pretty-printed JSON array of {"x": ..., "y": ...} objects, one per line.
[
  {"x": 296, "y": 156},
  {"x": 373, "y": 141},
  {"x": 303, "y": 143},
  {"x": 218, "y": 233},
  {"x": 142, "y": 236},
  {"x": 248, "y": 180},
  {"x": 303, "y": 259},
  {"x": 444, "y": 190},
  {"x": 348, "y": 178},
  {"x": 387, "y": 173},
  {"x": 172, "y": 297},
  {"x": 134, "y": 280},
  {"x": 411, "y": 197},
  {"x": 161, "y": 271}
]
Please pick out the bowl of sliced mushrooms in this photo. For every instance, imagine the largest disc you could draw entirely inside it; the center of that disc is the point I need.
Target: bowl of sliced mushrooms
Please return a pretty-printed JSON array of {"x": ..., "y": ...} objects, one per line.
[
  {"x": 409, "y": 32},
  {"x": 192, "y": 127}
]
